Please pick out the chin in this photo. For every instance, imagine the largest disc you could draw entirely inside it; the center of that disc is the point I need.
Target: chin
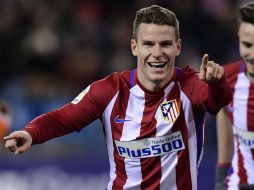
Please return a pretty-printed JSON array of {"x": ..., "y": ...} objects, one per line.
[
  {"x": 251, "y": 75},
  {"x": 159, "y": 80}
]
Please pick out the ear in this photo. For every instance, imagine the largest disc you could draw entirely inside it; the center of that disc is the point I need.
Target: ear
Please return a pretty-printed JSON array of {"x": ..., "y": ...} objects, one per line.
[
  {"x": 178, "y": 47},
  {"x": 134, "y": 47}
]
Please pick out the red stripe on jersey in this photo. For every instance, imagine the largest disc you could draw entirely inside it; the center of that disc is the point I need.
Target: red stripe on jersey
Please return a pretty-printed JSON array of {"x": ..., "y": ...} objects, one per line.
[
  {"x": 151, "y": 178},
  {"x": 231, "y": 72},
  {"x": 250, "y": 111},
  {"x": 250, "y": 108},
  {"x": 241, "y": 171},
  {"x": 119, "y": 109},
  {"x": 183, "y": 182}
]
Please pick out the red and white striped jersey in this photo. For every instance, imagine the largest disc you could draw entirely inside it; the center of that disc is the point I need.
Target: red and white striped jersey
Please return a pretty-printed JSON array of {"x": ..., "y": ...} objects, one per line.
[
  {"x": 241, "y": 113},
  {"x": 154, "y": 139}
]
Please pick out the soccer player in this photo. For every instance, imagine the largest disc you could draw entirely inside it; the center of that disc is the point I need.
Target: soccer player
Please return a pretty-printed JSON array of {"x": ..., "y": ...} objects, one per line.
[
  {"x": 153, "y": 116},
  {"x": 235, "y": 123}
]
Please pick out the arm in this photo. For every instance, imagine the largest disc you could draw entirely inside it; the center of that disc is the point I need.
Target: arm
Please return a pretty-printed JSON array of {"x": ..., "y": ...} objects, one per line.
[
  {"x": 85, "y": 108},
  {"x": 212, "y": 90},
  {"x": 224, "y": 137},
  {"x": 225, "y": 148},
  {"x": 69, "y": 118}
]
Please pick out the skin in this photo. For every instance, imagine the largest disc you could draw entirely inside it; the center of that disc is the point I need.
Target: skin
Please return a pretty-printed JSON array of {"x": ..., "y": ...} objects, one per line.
[
  {"x": 224, "y": 125},
  {"x": 246, "y": 46},
  {"x": 224, "y": 137},
  {"x": 155, "y": 45}
]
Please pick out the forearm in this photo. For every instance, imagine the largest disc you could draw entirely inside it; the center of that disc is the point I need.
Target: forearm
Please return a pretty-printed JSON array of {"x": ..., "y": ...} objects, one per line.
[
  {"x": 46, "y": 127},
  {"x": 225, "y": 139},
  {"x": 217, "y": 95},
  {"x": 225, "y": 148}
]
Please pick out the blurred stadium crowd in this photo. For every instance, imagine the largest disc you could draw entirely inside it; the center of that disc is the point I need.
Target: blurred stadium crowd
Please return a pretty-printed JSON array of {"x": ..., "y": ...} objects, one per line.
[{"x": 50, "y": 50}]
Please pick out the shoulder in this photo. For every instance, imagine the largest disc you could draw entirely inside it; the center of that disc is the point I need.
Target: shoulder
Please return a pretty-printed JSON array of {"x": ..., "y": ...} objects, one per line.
[
  {"x": 187, "y": 78},
  {"x": 102, "y": 91},
  {"x": 185, "y": 73},
  {"x": 110, "y": 85},
  {"x": 113, "y": 80},
  {"x": 233, "y": 68}
]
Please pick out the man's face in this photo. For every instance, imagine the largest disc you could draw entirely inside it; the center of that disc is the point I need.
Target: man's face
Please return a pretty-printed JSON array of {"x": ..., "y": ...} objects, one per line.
[
  {"x": 246, "y": 42},
  {"x": 156, "y": 48}
]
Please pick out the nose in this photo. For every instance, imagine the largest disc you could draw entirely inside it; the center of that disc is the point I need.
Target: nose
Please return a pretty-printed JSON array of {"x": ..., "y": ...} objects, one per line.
[{"x": 157, "y": 51}]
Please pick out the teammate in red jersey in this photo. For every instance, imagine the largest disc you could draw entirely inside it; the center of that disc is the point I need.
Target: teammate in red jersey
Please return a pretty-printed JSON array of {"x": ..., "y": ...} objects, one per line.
[
  {"x": 235, "y": 123},
  {"x": 153, "y": 116}
]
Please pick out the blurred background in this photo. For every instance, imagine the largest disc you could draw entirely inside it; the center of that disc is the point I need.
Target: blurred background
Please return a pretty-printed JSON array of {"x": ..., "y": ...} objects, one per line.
[{"x": 50, "y": 50}]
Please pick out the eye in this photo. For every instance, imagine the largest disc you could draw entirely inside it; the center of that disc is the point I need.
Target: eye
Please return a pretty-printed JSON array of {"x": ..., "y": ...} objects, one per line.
[
  {"x": 166, "y": 44},
  {"x": 247, "y": 44},
  {"x": 148, "y": 44}
]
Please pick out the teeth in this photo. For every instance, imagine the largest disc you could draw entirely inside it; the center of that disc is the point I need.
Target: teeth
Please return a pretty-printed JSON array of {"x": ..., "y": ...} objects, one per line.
[{"x": 157, "y": 64}]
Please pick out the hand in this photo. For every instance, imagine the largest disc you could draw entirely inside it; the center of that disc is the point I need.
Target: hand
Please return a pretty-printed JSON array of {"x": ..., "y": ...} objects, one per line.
[
  {"x": 210, "y": 72},
  {"x": 18, "y": 141}
]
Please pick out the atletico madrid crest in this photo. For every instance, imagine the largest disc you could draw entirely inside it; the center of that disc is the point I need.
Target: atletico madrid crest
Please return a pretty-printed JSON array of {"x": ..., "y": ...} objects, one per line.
[{"x": 170, "y": 111}]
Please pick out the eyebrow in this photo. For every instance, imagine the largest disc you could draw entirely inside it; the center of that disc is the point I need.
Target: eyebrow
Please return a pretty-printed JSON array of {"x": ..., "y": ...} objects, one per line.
[{"x": 162, "y": 42}]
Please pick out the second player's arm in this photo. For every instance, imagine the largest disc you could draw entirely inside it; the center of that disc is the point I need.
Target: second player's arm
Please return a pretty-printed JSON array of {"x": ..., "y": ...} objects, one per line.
[
  {"x": 224, "y": 137},
  {"x": 225, "y": 148}
]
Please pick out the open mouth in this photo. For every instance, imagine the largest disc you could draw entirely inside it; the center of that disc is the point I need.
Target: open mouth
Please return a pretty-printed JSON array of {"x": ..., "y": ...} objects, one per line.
[
  {"x": 250, "y": 61},
  {"x": 157, "y": 64}
]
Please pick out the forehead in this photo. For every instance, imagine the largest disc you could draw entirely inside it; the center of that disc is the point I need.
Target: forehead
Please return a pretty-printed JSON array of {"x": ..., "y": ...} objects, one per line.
[
  {"x": 155, "y": 32},
  {"x": 246, "y": 30}
]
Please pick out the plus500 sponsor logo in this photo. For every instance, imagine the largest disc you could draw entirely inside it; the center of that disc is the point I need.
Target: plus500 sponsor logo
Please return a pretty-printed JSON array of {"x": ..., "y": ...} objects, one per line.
[
  {"x": 245, "y": 141},
  {"x": 153, "y": 150}
]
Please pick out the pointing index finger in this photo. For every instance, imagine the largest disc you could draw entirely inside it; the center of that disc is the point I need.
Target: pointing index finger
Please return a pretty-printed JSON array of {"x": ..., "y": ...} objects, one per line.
[
  {"x": 205, "y": 60},
  {"x": 10, "y": 136}
]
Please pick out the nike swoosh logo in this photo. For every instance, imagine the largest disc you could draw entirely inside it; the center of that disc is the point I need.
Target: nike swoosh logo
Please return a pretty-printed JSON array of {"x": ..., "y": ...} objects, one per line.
[{"x": 117, "y": 120}]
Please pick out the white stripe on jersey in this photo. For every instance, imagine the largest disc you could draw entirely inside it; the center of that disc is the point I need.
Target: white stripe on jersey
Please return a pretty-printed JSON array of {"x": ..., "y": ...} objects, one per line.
[
  {"x": 162, "y": 126},
  {"x": 168, "y": 161},
  {"x": 240, "y": 101},
  {"x": 192, "y": 142},
  {"x": 168, "y": 164},
  {"x": 134, "y": 112},
  {"x": 240, "y": 106},
  {"x": 131, "y": 130},
  {"x": 109, "y": 140}
]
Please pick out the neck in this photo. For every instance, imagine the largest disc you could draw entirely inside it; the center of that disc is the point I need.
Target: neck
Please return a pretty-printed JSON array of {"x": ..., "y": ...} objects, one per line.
[{"x": 154, "y": 85}]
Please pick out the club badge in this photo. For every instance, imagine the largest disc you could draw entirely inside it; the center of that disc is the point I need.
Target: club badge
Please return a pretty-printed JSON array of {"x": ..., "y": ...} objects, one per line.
[{"x": 170, "y": 110}]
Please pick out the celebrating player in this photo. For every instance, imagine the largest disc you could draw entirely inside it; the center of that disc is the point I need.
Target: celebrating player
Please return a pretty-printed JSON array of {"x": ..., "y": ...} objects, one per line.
[
  {"x": 153, "y": 116},
  {"x": 235, "y": 123}
]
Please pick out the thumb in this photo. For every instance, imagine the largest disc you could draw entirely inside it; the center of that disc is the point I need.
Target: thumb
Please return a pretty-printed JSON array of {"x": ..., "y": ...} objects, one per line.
[{"x": 23, "y": 148}]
